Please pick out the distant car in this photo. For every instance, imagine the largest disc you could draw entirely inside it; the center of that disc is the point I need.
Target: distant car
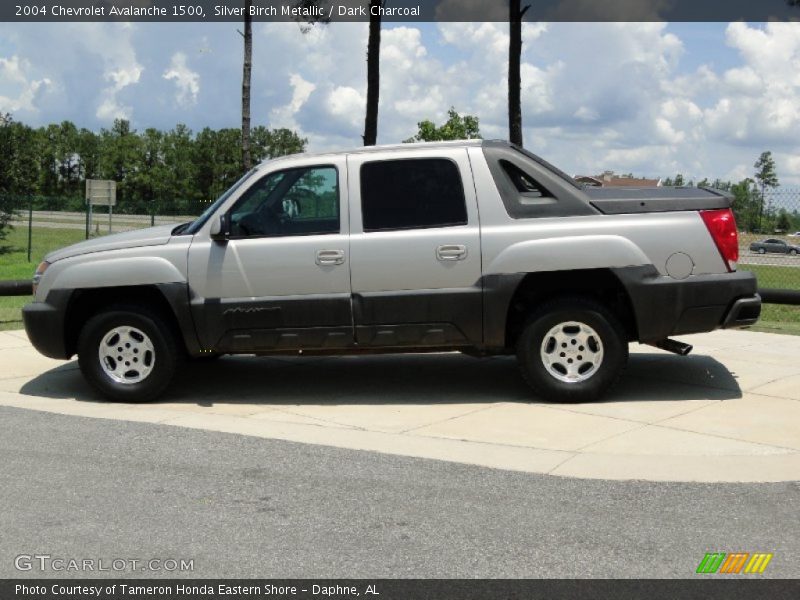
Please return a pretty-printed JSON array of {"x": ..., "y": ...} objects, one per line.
[
  {"x": 795, "y": 234},
  {"x": 774, "y": 246}
]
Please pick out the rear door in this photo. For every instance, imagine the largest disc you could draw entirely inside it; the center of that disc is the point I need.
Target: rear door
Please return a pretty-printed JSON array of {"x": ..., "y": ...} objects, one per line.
[{"x": 415, "y": 254}]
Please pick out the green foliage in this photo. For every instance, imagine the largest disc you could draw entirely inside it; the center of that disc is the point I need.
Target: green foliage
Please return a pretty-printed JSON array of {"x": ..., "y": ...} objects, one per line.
[
  {"x": 767, "y": 177},
  {"x": 271, "y": 143},
  {"x": 783, "y": 223},
  {"x": 456, "y": 128},
  {"x": 18, "y": 166},
  {"x": 746, "y": 204},
  {"x": 174, "y": 169},
  {"x": 765, "y": 174}
]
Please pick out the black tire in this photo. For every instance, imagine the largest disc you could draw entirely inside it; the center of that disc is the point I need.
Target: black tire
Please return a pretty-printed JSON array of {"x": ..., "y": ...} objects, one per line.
[
  {"x": 793, "y": 252},
  {"x": 163, "y": 356},
  {"x": 762, "y": 251},
  {"x": 612, "y": 351}
]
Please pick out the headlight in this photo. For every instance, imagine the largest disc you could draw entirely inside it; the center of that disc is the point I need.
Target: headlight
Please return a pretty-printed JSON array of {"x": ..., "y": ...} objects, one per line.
[{"x": 37, "y": 276}]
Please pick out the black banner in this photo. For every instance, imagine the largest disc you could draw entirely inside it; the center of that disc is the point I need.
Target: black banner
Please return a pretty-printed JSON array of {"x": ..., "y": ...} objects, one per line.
[
  {"x": 703, "y": 587},
  {"x": 398, "y": 10}
]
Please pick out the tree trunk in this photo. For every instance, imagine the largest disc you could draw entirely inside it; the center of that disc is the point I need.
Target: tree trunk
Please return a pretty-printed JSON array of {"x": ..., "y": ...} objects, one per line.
[
  {"x": 373, "y": 77},
  {"x": 515, "y": 14},
  {"x": 246, "y": 76}
]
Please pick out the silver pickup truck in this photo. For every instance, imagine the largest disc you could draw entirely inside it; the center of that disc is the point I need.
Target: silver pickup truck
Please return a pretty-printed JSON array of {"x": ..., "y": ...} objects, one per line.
[{"x": 476, "y": 246}]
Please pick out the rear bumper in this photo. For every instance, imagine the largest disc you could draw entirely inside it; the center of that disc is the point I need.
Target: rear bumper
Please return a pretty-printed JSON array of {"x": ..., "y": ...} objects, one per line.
[
  {"x": 665, "y": 307},
  {"x": 744, "y": 312},
  {"x": 44, "y": 324}
]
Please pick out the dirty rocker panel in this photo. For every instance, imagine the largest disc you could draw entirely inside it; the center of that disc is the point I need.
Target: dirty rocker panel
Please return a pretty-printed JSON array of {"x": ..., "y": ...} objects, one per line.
[
  {"x": 422, "y": 319},
  {"x": 419, "y": 318},
  {"x": 281, "y": 322}
]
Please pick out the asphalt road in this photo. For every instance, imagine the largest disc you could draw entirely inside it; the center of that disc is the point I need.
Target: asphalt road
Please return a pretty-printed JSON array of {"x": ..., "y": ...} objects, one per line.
[{"x": 237, "y": 506}]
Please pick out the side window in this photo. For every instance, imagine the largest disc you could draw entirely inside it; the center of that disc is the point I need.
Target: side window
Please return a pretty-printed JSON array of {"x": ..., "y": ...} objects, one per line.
[
  {"x": 412, "y": 194},
  {"x": 301, "y": 201},
  {"x": 524, "y": 183}
]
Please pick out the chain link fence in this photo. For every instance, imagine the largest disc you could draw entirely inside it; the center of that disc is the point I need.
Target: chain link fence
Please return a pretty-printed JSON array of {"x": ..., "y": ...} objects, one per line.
[
  {"x": 42, "y": 224},
  {"x": 769, "y": 236}
]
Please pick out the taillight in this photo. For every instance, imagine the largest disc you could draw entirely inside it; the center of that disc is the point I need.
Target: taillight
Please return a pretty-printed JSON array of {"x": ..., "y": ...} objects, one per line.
[{"x": 721, "y": 225}]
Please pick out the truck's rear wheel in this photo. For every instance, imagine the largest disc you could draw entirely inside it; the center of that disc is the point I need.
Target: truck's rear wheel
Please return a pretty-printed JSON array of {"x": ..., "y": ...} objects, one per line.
[
  {"x": 572, "y": 350},
  {"x": 128, "y": 354}
]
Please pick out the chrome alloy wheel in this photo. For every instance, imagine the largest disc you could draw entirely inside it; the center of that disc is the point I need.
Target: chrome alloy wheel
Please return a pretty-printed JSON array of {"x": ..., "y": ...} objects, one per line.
[
  {"x": 127, "y": 355},
  {"x": 572, "y": 352}
]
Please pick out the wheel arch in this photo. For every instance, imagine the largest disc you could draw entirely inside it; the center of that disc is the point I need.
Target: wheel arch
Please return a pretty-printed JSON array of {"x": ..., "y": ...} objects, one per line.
[
  {"x": 169, "y": 301},
  {"x": 511, "y": 298}
]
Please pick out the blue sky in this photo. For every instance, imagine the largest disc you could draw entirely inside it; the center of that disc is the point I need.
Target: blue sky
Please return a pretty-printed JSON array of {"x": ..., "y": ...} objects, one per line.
[{"x": 703, "y": 99}]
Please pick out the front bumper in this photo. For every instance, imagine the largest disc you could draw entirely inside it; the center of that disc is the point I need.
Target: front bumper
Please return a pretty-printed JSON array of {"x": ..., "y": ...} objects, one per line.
[
  {"x": 44, "y": 324},
  {"x": 665, "y": 307}
]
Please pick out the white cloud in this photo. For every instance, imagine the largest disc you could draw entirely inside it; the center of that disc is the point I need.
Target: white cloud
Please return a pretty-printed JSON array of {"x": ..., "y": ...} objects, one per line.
[
  {"x": 760, "y": 100},
  {"x": 284, "y": 116},
  {"x": 347, "y": 104},
  {"x": 113, "y": 45},
  {"x": 13, "y": 76},
  {"x": 186, "y": 81}
]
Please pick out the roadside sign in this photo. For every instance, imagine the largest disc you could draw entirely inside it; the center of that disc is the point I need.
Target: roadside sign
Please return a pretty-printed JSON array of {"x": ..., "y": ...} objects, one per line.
[{"x": 101, "y": 192}]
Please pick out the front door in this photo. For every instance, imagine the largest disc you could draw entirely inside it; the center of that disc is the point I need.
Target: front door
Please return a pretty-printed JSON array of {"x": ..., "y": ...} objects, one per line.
[
  {"x": 415, "y": 249},
  {"x": 281, "y": 280}
]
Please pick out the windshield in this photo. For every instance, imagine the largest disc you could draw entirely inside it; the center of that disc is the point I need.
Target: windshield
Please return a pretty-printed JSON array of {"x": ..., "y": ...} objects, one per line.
[{"x": 195, "y": 225}]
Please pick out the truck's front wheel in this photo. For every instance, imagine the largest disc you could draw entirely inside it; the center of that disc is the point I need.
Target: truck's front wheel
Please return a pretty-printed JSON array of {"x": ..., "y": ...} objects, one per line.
[
  {"x": 572, "y": 350},
  {"x": 128, "y": 354}
]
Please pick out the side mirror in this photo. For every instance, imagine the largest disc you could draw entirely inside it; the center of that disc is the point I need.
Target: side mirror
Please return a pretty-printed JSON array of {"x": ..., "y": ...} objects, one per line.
[{"x": 220, "y": 228}]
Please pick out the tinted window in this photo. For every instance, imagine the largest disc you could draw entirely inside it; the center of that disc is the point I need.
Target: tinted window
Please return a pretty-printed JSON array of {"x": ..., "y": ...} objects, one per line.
[
  {"x": 295, "y": 202},
  {"x": 412, "y": 194}
]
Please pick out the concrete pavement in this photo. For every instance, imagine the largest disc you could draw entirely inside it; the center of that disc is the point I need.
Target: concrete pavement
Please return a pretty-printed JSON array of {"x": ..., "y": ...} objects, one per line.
[
  {"x": 245, "y": 507},
  {"x": 730, "y": 412}
]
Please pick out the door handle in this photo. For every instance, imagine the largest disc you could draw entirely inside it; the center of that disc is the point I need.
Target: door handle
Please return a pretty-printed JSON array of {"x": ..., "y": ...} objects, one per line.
[
  {"x": 451, "y": 252},
  {"x": 326, "y": 258}
]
